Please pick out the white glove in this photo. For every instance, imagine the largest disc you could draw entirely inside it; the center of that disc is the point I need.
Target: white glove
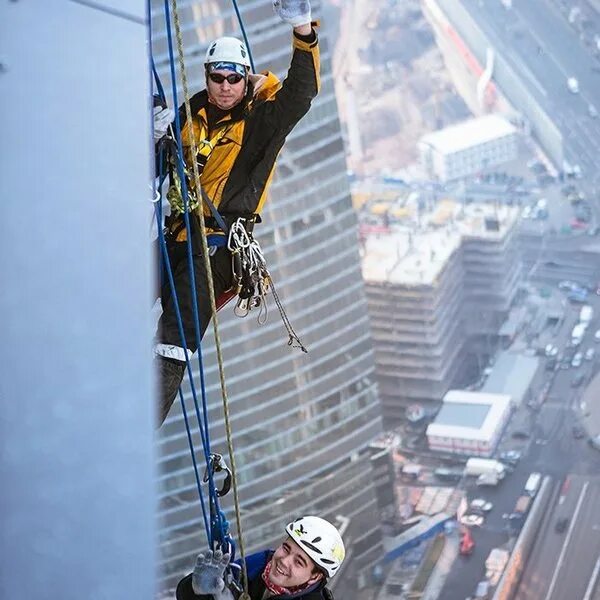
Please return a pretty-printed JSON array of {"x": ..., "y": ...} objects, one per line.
[
  {"x": 294, "y": 12},
  {"x": 163, "y": 117},
  {"x": 208, "y": 575}
]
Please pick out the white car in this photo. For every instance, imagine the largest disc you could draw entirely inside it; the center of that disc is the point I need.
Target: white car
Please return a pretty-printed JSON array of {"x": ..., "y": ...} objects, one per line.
[
  {"x": 597, "y": 336},
  {"x": 550, "y": 350},
  {"x": 472, "y": 520},
  {"x": 589, "y": 354},
  {"x": 577, "y": 360},
  {"x": 481, "y": 504},
  {"x": 573, "y": 85}
]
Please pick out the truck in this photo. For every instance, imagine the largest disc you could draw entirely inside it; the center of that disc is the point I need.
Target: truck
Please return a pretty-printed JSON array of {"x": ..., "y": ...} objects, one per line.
[
  {"x": 488, "y": 479},
  {"x": 586, "y": 314},
  {"x": 533, "y": 483},
  {"x": 578, "y": 333},
  {"x": 484, "y": 466}
]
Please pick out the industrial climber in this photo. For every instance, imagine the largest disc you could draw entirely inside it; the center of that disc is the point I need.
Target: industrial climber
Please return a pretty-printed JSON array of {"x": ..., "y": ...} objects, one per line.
[
  {"x": 240, "y": 123},
  {"x": 307, "y": 558}
]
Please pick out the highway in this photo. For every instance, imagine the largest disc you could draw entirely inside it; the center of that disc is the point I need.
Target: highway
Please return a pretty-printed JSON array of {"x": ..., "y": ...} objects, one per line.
[
  {"x": 562, "y": 563},
  {"x": 540, "y": 45}
]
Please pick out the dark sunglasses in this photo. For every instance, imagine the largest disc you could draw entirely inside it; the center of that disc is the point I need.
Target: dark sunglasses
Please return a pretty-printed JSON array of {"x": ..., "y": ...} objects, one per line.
[{"x": 231, "y": 79}]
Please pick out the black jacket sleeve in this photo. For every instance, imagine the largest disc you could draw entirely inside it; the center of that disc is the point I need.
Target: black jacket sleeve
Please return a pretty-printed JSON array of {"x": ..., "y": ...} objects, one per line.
[
  {"x": 186, "y": 592},
  {"x": 302, "y": 83}
]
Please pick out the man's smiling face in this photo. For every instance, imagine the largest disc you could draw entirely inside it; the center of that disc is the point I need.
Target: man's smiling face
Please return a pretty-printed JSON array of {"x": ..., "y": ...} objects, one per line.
[{"x": 291, "y": 566}]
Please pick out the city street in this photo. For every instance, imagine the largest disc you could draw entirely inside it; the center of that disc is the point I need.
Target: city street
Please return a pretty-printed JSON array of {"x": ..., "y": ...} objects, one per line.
[
  {"x": 562, "y": 563},
  {"x": 551, "y": 449},
  {"x": 541, "y": 46}
]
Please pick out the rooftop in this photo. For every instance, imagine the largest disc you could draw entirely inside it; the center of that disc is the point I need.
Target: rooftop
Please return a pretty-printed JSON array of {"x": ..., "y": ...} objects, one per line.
[
  {"x": 463, "y": 414},
  {"x": 469, "y": 415},
  {"x": 468, "y": 134},
  {"x": 512, "y": 374},
  {"x": 415, "y": 251}
]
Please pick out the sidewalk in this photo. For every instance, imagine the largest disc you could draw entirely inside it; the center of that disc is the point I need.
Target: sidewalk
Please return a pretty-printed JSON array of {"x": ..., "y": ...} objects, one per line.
[{"x": 442, "y": 568}]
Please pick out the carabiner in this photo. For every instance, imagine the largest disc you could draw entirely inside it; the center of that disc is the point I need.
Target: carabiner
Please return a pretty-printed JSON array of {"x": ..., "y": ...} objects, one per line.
[{"x": 216, "y": 465}]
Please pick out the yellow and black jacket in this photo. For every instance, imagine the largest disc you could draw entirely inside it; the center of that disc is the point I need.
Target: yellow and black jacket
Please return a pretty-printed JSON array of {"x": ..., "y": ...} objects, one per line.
[{"x": 248, "y": 139}]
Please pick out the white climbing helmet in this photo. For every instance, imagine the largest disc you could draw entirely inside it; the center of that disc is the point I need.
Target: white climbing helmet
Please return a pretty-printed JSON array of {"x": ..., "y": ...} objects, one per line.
[
  {"x": 228, "y": 49},
  {"x": 320, "y": 540}
]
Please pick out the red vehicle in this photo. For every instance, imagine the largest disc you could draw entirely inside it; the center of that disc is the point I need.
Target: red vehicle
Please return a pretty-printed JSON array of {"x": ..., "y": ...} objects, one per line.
[{"x": 466, "y": 543}]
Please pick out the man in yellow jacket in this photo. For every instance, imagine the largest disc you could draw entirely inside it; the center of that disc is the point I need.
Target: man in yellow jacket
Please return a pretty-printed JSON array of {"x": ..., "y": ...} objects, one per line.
[{"x": 240, "y": 123}]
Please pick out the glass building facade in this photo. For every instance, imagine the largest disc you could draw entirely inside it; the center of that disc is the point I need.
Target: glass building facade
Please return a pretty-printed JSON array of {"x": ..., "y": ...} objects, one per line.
[{"x": 301, "y": 422}]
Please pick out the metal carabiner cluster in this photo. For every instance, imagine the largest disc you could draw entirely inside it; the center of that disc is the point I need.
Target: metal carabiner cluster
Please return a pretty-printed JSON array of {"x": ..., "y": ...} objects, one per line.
[{"x": 217, "y": 464}]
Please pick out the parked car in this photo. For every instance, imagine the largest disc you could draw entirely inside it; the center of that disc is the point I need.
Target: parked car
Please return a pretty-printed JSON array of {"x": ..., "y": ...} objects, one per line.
[
  {"x": 510, "y": 456},
  {"x": 577, "y": 380},
  {"x": 578, "y": 432},
  {"x": 466, "y": 543},
  {"x": 589, "y": 354},
  {"x": 472, "y": 520},
  {"x": 561, "y": 525},
  {"x": 577, "y": 360},
  {"x": 567, "y": 286},
  {"x": 597, "y": 336},
  {"x": 550, "y": 350},
  {"x": 481, "y": 504},
  {"x": 519, "y": 434}
]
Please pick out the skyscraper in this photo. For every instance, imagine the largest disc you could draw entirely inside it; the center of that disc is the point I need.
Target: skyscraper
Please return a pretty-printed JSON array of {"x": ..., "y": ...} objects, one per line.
[{"x": 301, "y": 422}]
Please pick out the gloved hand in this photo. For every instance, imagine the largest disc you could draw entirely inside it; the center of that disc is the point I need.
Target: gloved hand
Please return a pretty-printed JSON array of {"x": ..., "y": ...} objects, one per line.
[
  {"x": 208, "y": 575},
  {"x": 294, "y": 12},
  {"x": 163, "y": 117}
]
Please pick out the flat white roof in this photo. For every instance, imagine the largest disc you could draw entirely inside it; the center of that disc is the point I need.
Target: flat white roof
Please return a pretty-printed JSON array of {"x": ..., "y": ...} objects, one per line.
[
  {"x": 417, "y": 252},
  {"x": 468, "y": 134},
  {"x": 408, "y": 258},
  {"x": 489, "y": 410}
]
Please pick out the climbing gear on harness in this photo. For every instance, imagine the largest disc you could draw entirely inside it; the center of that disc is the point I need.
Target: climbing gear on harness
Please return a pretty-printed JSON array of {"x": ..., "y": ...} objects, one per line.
[
  {"x": 252, "y": 277},
  {"x": 174, "y": 194}
]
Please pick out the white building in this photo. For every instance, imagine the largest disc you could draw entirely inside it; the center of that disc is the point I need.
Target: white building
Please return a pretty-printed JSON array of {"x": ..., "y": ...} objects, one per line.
[
  {"x": 469, "y": 423},
  {"x": 468, "y": 147}
]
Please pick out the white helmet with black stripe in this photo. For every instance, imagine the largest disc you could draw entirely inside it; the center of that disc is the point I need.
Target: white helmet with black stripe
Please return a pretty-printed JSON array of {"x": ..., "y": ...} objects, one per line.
[
  {"x": 228, "y": 50},
  {"x": 320, "y": 540}
]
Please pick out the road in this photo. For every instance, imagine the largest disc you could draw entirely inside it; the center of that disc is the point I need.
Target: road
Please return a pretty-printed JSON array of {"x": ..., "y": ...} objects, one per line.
[
  {"x": 540, "y": 45},
  {"x": 562, "y": 564},
  {"x": 551, "y": 450}
]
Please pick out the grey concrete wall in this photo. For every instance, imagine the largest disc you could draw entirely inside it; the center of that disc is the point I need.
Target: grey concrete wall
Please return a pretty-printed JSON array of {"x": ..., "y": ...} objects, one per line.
[{"x": 76, "y": 433}]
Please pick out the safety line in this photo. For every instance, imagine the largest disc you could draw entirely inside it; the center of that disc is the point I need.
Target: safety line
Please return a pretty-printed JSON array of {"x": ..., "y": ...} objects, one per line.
[
  {"x": 211, "y": 291},
  {"x": 180, "y": 168}
]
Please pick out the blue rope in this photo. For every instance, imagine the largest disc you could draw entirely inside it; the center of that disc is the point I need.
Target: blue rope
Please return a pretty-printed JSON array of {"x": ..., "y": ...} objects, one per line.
[
  {"x": 216, "y": 515},
  {"x": 167, "y": 265},
  {"x": 241, "y": 22}
]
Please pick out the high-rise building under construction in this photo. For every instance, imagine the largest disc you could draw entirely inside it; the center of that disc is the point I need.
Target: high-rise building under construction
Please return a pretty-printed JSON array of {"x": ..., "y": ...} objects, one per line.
[{"x": 301, "y": 422}]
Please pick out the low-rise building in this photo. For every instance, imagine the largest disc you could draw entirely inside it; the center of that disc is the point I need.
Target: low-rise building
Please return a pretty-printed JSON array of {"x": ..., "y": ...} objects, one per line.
[
  {"x": 468, "y": 147},
  {"x": 469, "y": 423}
]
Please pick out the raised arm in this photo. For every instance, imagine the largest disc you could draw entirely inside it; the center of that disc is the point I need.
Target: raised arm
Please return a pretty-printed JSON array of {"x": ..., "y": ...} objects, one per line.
[{"x": 302, "y": 83}]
